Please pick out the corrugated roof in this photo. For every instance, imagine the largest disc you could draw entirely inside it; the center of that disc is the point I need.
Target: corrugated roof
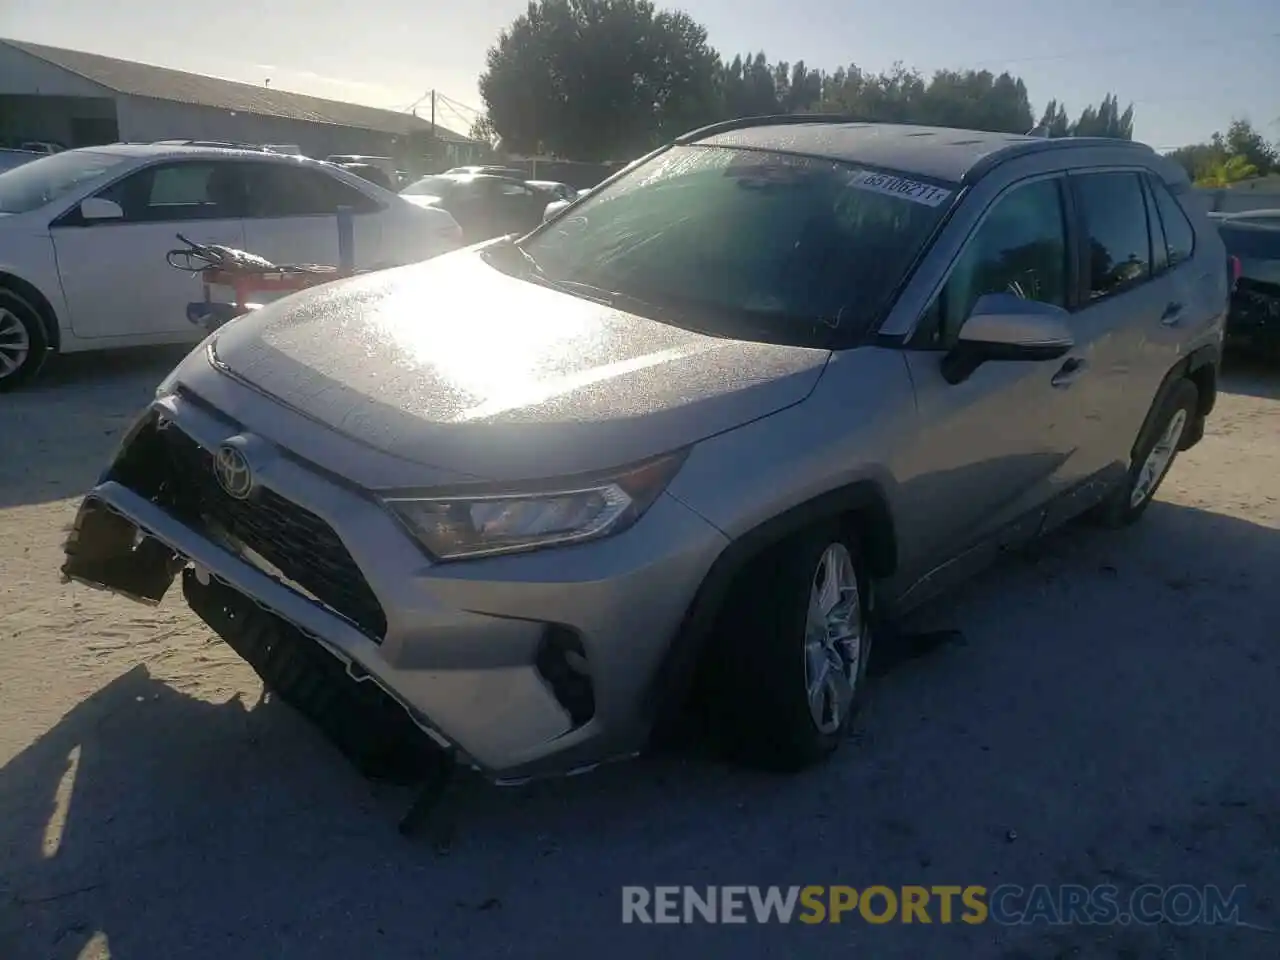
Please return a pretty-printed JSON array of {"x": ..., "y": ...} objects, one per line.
[{"x": 161, "y": 83}]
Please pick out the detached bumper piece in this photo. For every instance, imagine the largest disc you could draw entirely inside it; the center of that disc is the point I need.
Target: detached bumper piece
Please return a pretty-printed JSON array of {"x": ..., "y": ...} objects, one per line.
[
  {"x": 106, "y": 551},
  {"x": 359, "y": 718}
]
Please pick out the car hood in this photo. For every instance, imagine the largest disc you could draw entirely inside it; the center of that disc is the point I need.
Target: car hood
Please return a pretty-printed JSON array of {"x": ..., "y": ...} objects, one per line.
[{"x": 455, "y": 365}]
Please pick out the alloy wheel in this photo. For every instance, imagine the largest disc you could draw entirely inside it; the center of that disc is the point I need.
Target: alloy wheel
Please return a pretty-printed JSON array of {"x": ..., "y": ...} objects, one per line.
[
  {"x": 1158, "y": 459},
  {"x": 833, "y": 638},
  {"x": 15, "y": 343}
]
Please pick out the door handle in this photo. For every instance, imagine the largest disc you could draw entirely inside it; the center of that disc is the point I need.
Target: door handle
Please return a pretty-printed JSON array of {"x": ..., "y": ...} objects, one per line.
[
  {"x": 1068, "y": 372},
  {"x": 1172, "y": 314}
]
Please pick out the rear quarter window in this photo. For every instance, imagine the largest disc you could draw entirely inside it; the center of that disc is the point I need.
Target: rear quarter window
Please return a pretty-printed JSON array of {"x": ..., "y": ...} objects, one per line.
[{"x": 1179, "y": 235}]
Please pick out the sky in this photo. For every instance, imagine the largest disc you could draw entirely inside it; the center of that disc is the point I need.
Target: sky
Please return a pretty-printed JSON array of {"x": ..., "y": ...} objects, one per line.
[{"x": 1188, "y": 68}]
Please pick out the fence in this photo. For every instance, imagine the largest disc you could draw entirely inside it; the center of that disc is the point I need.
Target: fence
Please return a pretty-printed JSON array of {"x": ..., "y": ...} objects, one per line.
[{"x": 1237, "y": 200}]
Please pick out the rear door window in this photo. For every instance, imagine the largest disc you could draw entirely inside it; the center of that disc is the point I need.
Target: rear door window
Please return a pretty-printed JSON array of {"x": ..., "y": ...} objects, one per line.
[
  {"x": 283, "y": 190},
  {"x": 1114, "y": 215}
]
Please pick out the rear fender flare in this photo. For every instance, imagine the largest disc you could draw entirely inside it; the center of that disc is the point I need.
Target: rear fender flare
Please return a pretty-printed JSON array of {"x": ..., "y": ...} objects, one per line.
[{"x": 1200, "y": 366}]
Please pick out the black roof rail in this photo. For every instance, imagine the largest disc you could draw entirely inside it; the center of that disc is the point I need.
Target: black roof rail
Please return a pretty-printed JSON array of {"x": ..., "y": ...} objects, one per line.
[
  {"x": 1024, "y": 148},
  {"x": 767, "y": 120},
  {"x": 224, "y": 144}
]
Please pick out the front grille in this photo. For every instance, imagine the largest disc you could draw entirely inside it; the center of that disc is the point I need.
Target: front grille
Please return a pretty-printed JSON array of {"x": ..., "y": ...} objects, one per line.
[{"x": 302, "y": 546}]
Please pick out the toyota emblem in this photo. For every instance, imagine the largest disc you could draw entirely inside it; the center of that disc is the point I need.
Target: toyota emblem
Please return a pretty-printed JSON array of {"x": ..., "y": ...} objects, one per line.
[{"x": 233, "y": 472}]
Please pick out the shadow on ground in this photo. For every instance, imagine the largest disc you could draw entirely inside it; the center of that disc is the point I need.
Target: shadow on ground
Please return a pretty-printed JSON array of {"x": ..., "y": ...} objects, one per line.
[
  {"x": 56, "y": 434},
  {"x": 1251, "y": 377},
  {"x": 1110, "y": 717}
]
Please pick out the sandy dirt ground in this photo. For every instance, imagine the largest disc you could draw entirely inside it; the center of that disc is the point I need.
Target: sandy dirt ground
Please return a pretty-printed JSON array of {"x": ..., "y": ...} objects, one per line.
[{"x": 1111, "y": 716}]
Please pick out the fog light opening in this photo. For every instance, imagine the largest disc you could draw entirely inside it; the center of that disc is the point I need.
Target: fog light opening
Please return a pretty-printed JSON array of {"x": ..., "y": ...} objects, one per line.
[{"x": 562, "y": 663}]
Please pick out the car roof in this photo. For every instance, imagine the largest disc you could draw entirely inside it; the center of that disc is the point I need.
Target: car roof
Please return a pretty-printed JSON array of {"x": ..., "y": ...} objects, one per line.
[
  {"x": 148, "y": 151},
  {"x": 471, "y": 177},
  {"x": 940, "y": 153}
]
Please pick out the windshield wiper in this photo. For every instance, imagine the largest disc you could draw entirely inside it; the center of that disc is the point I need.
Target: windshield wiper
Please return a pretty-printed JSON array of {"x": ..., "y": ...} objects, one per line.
[
  {"x": 531, "y": 263},
  {"x": 607, "y": 297}
]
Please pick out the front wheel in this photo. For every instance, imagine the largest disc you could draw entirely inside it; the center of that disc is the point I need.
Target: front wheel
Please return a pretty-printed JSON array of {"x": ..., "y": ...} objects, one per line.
[
  {"x": 1153, "y": 456},
  {"x": 24, "y": 344},
  {"x": 791, "y": 652}
]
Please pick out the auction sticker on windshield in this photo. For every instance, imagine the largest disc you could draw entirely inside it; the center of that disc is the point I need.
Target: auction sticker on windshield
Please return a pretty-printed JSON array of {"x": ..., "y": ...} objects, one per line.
[{"x": 892, "y": 186}]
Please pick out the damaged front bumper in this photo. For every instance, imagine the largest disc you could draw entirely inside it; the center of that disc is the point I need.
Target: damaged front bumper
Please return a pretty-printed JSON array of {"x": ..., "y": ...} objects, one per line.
[
  {"x": 481, "y": 657},
  {"x": 125, "y": 544}
]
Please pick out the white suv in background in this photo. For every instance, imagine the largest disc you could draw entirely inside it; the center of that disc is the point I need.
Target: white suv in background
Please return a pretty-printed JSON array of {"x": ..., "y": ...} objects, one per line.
[{"x": 84, "y": 233}]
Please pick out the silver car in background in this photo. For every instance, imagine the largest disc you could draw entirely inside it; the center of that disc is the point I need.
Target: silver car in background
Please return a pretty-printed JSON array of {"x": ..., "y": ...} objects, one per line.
[
  {"x": 765, "y": 391},
  {"x": 9, "y": 159}
]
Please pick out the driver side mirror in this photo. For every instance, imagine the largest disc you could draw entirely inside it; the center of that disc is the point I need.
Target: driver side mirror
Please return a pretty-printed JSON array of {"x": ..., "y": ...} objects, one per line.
[
  {"x": 99, "y": 208},
  {"x": 1005, "y": 327}
]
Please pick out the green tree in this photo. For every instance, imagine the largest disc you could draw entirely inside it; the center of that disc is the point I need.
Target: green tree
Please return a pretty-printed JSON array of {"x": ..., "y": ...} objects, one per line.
[
  {"x": 1105, "y": 120},
  {"x": 748, "y": 87},
  {"x": 598, "y": 79},
  {"x": 482, "y": 130},
  {"x": 1054, "y": 119},
  {"x": 976, "y": 100},
  {"x": 1242, "y": 140},
  {"x": 1197, "y": 157},
  {"x": 1224, "y": 172},
  {"x": 606, "y": 79},
  {"x": 1208, "y": 160}
]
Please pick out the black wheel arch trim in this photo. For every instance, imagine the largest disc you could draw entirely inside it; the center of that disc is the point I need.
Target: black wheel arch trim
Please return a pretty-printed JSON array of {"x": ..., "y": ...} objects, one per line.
[
  {"x": 1200, "y": 367},
  {"x": 671, "y": 684}
]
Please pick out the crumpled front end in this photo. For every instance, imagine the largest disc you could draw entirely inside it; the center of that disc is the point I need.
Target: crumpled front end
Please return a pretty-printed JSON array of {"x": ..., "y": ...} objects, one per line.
[{"x": 522, "y": 666}]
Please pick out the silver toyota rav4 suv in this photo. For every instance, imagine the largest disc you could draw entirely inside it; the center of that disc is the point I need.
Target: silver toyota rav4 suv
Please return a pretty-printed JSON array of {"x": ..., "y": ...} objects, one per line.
[{"x": 772, "y": 385}]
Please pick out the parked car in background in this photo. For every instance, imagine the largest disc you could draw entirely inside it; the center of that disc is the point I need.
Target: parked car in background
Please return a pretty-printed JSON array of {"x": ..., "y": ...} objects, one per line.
[
  {"x": 555, "y": 206},
  {"x": 493, "y": 171},
  {"x": 785, "y": 379},
  {"x": 1253, "y": 239},
  {"x": 16, "y": 158},
  {"x": 84, "y": 233},
  {"x": 385, "y": 164},
  {"x": 485, "y": 206},
  {"x": 1263, "y": 217},
  {"x": 372, "y": 173},
  {"x": 43, "y": 147},
  {"x": 554, "y": 189}
]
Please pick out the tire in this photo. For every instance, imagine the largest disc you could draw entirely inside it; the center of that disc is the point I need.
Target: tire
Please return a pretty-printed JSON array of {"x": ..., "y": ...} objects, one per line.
[
  {"x": 1160, "y": 441},
  {"x": 24, "y": 342},
  {"x": 759, "y": 677}
]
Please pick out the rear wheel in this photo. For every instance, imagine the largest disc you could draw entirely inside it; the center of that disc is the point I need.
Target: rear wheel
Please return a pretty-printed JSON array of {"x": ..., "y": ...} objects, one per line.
[
  {"x": 1153, "y": 456},
  {"x": 24, "y": 344},
  {"x": 791, "y": 652}
]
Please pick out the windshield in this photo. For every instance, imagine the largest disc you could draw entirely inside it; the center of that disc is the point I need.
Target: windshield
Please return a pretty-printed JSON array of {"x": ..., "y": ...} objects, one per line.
[
  {"x": 752, "y": 243},
  {"x": 430, "y": 187},
  {"x": 43, "y": 181}
]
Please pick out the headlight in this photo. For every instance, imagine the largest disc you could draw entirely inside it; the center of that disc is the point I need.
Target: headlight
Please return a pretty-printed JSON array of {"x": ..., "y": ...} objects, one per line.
[{"x": 478, "y": 524}]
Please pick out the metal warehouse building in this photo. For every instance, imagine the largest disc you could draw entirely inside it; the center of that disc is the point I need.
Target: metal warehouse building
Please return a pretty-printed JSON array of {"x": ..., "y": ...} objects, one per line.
[{"x": 80, "y": 99}]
